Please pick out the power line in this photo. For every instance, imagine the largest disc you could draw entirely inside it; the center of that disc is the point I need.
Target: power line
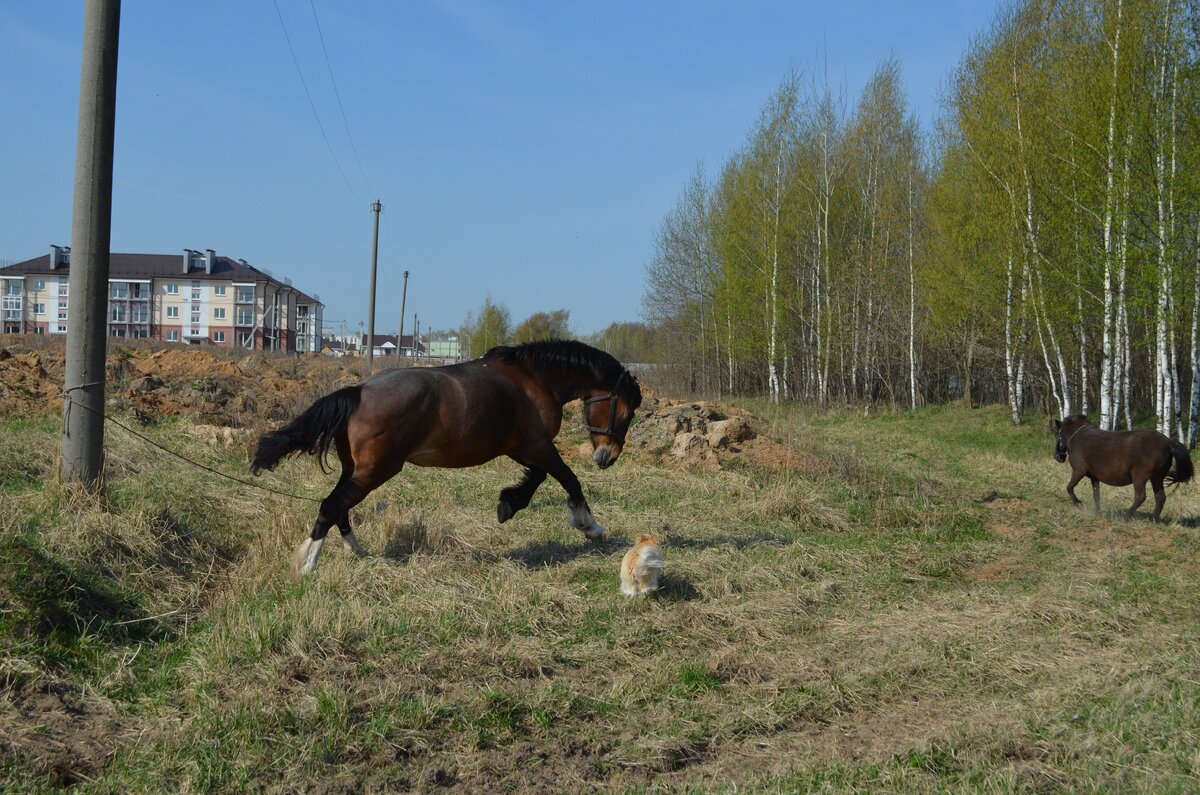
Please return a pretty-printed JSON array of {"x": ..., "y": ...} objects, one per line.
[
  {"x": 312, "y": 105},
  {"x": 338, "y": 94}
]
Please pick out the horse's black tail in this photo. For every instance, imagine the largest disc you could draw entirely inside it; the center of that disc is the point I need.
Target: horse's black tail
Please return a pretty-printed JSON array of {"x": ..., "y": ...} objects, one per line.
[
  {"x": 1183, "y": 464},
  {"x": 312, "y": 432}
]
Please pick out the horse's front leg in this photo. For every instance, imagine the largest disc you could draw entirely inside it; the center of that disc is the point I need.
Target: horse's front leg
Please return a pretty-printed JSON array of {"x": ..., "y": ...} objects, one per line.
[
  {"x": 581, "y": 516},
  {"x": 1075, "y": 478},
  {"x": 514, "y": 498}
]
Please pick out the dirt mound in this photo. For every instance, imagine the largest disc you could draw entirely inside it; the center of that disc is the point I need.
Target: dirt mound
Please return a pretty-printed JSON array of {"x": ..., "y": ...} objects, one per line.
[
  {"x": 231, "y": 389},
  {"x": 26, "y": 385},
  {"x": 225, "y": 389},
  {"x": 703, "y": 435}
]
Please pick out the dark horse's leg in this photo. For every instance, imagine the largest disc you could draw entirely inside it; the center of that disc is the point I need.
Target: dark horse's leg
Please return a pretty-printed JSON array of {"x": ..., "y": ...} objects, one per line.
[
  {"x": 1095, "y": 493},
  {"x": 1139, "y": 496},
  {"x": 581, "y": 517},
  {"x": 1075, "y": 478},
  {"x": 1160, "y": 495},
  {"x": 514, "y": 498}
]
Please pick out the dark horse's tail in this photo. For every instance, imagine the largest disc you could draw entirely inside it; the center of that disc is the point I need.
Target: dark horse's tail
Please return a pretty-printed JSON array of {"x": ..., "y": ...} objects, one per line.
[
  {"x": 312, "y": 432},
  {"x": 1183, "y": 464}
]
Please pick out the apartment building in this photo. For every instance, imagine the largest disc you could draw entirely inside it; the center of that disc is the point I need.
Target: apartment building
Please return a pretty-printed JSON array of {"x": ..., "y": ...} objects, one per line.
[{"x": 197, "y": 298}]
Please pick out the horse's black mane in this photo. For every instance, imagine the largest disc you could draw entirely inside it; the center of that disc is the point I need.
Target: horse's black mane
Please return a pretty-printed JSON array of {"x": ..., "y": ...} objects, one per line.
[{"x": 572, "y": 355}]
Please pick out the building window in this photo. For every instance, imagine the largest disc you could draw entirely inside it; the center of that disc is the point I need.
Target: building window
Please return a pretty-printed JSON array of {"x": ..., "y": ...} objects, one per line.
[
  {"x": 246, "y": 339},
  {"x": 218, "y": 336},
  {"x": 172, "y": 311},
  {"x": 195, "y": 317},
  {"x": 62, "y": 314},
  {"x": 195, "y": 331},
  {"x": 137, "y": 291},
  {"x": 244, "y": 295},
  {"x": 119, "y": 290},
  {"x": 245, "y": 317},
  {"x": 39, "y": 309},
  {"x": 39, "y": 285},
  {"x": 172, "y": 288},
  {"x": 219, "y": 289},
  {"x": 219, "y": 313},
  {"x": 63, "y": 286},
  {"x": 173, "y": 335},
  {"x": 116, "y": 331},
  {"x": 39, "y": 330},
  {"x": 139, "y": 314},
  {"x": 118, "y": 313}
]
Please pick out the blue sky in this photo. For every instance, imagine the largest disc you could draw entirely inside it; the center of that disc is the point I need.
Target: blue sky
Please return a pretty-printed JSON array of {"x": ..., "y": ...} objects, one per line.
[{"x": 523, "y": 150}]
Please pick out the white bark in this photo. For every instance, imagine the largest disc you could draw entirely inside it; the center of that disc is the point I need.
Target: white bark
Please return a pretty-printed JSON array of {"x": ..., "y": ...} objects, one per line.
[{"x": 1109, "y": 364}]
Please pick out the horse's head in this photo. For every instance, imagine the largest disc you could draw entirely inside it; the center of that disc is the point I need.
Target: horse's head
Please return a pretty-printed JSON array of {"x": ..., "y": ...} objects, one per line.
[
  {"x": 1065, "y": 431},
  {"x": 607, "y": 416}
]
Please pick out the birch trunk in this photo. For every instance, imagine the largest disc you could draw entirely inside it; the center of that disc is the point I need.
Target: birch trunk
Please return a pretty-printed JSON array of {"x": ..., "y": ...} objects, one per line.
[{"x": 1109, "y": 364}]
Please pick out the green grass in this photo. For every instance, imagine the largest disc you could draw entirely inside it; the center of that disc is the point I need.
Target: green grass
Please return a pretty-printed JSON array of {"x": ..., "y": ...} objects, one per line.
[{"x": 926, "y": 614}]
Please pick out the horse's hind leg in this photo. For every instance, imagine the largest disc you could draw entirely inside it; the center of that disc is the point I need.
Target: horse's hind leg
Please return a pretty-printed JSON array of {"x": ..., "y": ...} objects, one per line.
[
  {"x": 1096, "y": 494},
  {"x": 514, "y": 498},
  {"x": 1160, "y": 496},
  {"x": 1139, "y": 496},
  {"x": 335, "y": 510}
]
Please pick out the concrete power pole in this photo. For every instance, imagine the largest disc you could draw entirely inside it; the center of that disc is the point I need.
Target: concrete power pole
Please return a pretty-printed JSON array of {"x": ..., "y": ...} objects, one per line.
[
  {"x": 91, "y": 234},
  {"x": 403, "y": 299},
  {"x": 375, "y": 208}
]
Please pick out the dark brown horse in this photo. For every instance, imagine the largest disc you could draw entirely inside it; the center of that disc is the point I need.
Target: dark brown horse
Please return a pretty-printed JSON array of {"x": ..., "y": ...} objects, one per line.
[
  {"x": 508, "y": 402},
  {"x": 1118, "y": 458}
]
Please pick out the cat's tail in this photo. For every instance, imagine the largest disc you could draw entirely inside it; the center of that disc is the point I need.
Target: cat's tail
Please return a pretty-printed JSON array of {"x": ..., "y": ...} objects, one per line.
[{"x": 649, "y": 558}]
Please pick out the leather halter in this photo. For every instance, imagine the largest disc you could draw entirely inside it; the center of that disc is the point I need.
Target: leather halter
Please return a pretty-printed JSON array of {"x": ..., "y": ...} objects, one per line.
[{"x": 611, "y": 430}]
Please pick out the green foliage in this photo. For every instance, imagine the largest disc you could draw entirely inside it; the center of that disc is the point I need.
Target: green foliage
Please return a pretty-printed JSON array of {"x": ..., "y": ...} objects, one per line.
[
  {"x": 543, "y": 326},
  {"x": 492, "y": 326}
]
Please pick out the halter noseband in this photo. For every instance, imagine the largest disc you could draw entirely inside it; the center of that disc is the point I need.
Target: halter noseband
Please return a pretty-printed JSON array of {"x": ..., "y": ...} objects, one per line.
[{"x": 611, "y": 430}]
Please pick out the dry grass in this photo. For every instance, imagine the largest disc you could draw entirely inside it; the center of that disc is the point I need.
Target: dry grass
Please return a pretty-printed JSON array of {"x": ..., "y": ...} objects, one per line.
[{"x": 926, "y": 613}]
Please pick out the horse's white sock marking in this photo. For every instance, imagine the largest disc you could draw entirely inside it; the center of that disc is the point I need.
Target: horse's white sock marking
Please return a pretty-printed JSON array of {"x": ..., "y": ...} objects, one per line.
[
  {"x": 307, "y": 555},
  {"x": 582, "y": 519}
]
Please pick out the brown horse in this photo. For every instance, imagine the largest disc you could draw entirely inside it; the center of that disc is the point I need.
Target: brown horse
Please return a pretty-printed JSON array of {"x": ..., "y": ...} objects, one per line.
[
  {"x": 508, "y": 402},
  {"x": 1118, "y": 458}
]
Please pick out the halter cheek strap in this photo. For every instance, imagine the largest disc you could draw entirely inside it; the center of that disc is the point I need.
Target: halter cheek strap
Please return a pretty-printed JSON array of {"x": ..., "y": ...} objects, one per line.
[
  {"x": 611, "y": 430},
  {"x": 1067, "y": 443}
]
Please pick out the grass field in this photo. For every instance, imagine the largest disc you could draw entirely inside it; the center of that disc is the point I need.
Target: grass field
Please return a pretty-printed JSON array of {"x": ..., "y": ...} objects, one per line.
[{"x": 922, "y": 611}]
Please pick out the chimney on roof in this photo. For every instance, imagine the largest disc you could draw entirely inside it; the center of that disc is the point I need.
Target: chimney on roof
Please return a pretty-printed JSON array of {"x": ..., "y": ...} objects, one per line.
[
  {"x": 187, "y": 260},
  {"x": 210, "y": 259},
  {"x": 59, "y": 255},
  {"x": 243, "y": 263}
]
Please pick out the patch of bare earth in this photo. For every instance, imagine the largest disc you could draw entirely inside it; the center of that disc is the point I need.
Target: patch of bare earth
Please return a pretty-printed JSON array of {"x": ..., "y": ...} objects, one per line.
[{"x": 59, "y": 730}]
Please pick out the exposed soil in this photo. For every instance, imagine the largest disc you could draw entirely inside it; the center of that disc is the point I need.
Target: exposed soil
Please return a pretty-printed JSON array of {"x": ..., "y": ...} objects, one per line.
[{"x": 228, "y": 390}]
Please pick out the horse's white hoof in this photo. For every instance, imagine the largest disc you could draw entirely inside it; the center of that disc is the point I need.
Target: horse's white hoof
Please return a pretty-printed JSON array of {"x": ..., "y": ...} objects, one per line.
[{"x": 307, "y": 555}]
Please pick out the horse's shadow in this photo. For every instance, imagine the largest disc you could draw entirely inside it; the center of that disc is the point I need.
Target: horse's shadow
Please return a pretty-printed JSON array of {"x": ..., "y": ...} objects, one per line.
[{"x": 556, "y": 553}]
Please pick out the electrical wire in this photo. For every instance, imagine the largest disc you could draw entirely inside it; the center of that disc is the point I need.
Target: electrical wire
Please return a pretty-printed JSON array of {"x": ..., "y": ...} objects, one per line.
[
  {"x": 338, "y": 94},
  {"x": 312, "y": 105}
]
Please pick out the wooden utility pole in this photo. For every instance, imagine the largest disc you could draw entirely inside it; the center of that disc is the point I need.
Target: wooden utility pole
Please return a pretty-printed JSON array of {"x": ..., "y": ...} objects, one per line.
[
  {"x": 375, "y": 208},
  {"x": 403, "y": 299},
  {"x": 91, "y": 232}
]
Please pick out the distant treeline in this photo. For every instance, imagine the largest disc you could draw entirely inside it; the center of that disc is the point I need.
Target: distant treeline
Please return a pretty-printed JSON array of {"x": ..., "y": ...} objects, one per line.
[{"x": 1039, "y": 248}]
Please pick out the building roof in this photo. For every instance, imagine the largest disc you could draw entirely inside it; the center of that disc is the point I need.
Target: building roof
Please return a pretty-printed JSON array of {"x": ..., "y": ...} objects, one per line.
[{"x": 162, "y": 266}]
